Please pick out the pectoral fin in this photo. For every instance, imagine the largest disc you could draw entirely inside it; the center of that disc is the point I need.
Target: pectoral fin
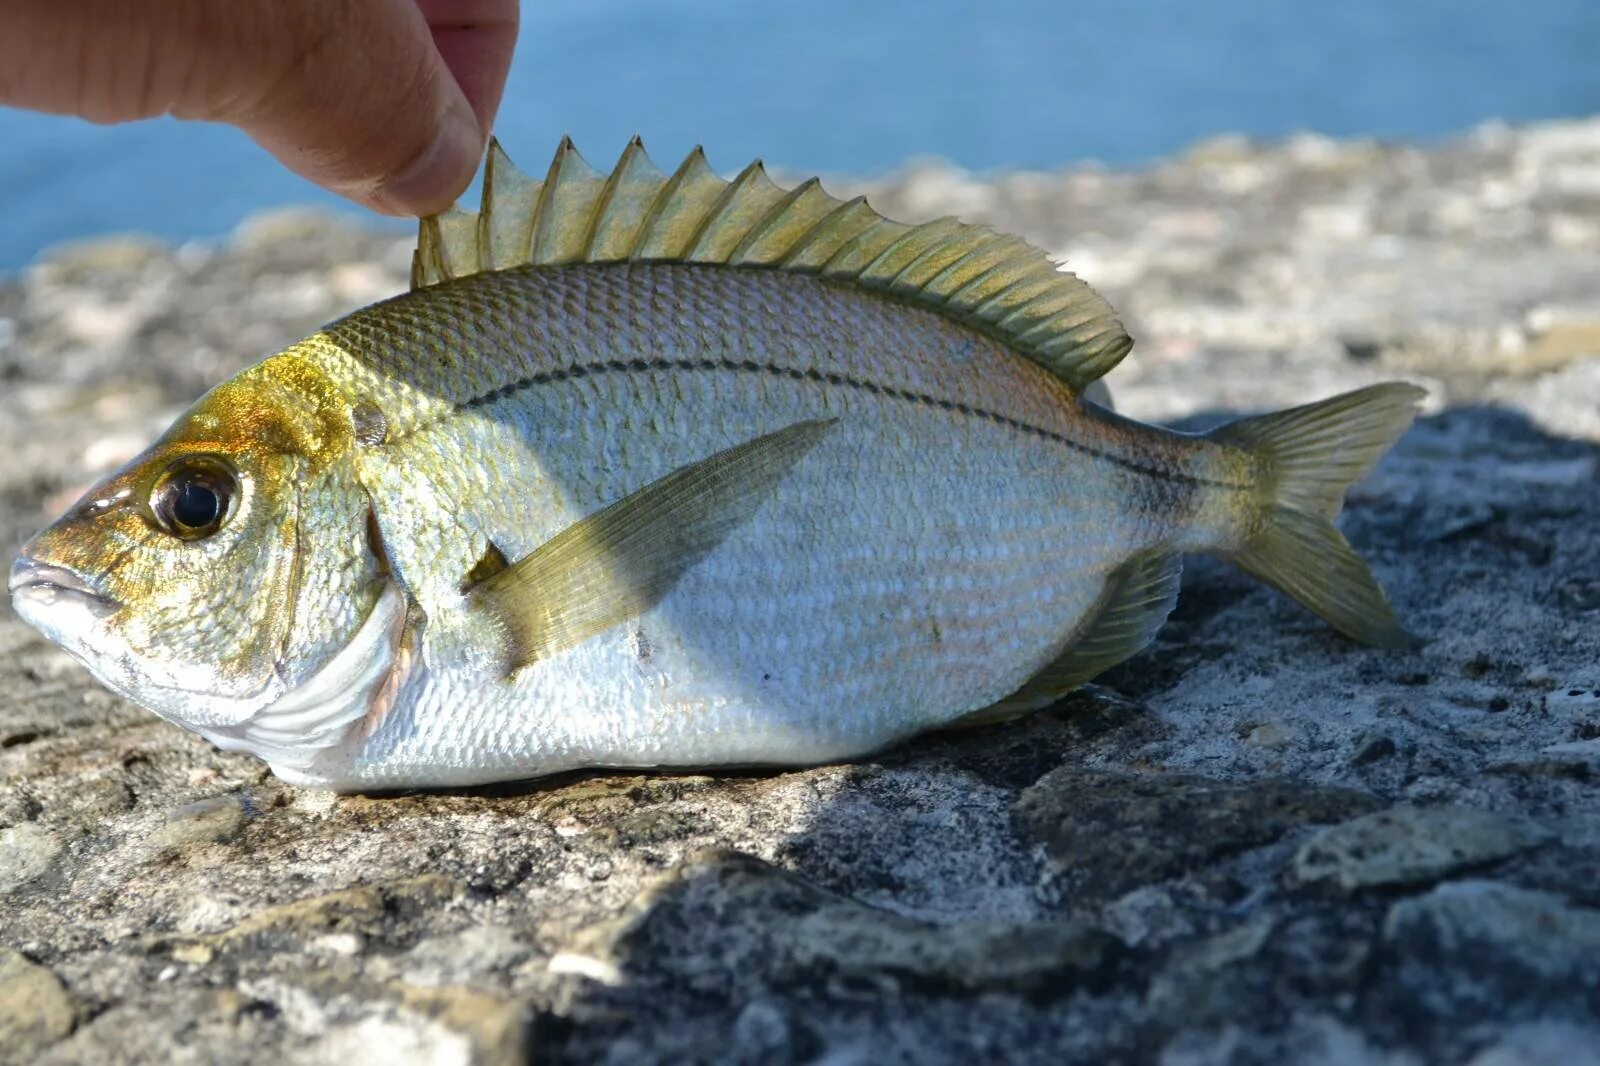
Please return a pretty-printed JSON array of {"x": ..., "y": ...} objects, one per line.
[{"x": 621, "y": 561}]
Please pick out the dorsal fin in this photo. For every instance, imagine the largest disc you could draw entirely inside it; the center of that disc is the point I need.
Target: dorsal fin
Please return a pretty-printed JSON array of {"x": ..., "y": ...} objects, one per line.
[{"x": 996, "y": 283}]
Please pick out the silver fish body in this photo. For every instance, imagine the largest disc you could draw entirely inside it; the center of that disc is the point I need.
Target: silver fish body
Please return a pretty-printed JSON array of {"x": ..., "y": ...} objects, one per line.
[{"x": 937, "y": 546}]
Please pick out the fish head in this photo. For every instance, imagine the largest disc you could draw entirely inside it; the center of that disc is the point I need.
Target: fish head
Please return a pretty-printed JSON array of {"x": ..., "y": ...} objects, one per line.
[{"x": 221, "y": 567}]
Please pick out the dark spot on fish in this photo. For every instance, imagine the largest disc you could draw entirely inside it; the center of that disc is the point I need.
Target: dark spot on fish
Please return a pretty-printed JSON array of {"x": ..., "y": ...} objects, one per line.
[
  {"x": 371, "y": 427},
  {"x": 766, "y": 677},
  {"x": 642, "y": 646},
  {"x": 490, "y": 563}
]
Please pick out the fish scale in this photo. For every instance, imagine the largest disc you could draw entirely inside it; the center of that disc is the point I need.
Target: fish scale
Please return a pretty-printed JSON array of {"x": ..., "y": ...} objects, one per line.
[{"x": 655, "y": 470}]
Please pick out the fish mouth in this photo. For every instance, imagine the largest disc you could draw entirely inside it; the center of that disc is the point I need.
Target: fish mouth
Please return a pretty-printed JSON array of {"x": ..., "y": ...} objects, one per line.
[{"x": 45, "y": 585}]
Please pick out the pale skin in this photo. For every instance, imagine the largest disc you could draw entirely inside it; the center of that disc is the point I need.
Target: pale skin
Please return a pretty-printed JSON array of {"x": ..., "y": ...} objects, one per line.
[{"x": 386, "y": 102}]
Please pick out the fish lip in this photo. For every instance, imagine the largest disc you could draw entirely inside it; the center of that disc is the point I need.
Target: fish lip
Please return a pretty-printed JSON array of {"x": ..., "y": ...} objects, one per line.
[{"x": 46, "y": 582}]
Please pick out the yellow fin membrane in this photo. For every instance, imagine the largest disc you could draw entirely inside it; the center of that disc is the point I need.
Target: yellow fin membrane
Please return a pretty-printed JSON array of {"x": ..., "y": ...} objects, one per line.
[
  {"x": 622, "y": 560},
  {"x": 1313, "y": 455}
]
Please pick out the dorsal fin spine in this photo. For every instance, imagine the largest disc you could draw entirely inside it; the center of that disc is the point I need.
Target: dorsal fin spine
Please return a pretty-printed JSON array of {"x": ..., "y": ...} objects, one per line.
[
  {"x": 547, "y": 192},
  {"x": 652, "y": 217},
  {"x": 907, "y": 246},
  {"x": 718, "y": 206},
  {"x": 719, "y": 232},
  {"x": 486, "y": 219},
  {"x": 1029, "y": 313},
  {"x": 1012, "y": 295},
  {"x": 1046, "y": 327},
  {"x": 629, "y": 203},
  {"x": 681, "y": 190},
  {"x": 975, "y": 262},
  {"x": 864, "y": 246},
  {"x": 602, "y": 204},
  {"x": 770, "y": 219},
  {"x": 905, "y": 282},
  {"x": 837, "y": 220},
  {"x": 566, "y": 214}
]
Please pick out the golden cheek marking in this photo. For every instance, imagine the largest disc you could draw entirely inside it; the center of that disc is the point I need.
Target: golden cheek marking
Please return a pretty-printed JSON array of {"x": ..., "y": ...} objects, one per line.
[{"x": 282, "y": 405}]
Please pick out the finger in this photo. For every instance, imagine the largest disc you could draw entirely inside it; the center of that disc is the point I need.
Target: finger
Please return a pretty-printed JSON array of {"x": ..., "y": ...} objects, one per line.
[
  {"x": 99, "y": 59},
  {"x": 476, "y": 39},
  {"x": 353, "y": 94},
  {"x": 359, "y": 100}
]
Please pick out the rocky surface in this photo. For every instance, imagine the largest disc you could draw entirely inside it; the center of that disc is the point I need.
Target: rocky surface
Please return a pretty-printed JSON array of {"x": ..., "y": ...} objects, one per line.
[{"x": 1256, "y": 842}]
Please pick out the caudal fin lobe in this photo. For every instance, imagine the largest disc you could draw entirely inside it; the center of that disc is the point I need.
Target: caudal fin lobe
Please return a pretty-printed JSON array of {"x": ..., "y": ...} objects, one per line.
[{"x": 1313, "y": 455}]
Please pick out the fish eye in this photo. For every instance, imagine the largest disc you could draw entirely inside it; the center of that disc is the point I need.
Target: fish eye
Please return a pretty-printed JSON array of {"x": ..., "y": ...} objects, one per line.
[{"x": 194, "y": 497}]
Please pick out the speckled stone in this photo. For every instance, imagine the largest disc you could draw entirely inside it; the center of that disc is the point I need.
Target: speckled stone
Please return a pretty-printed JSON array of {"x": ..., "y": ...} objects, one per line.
[
  {"x": 35, "y": 1011},
  {"x": 1412, "y": 845},
  {"x": 26, "y": 853}
]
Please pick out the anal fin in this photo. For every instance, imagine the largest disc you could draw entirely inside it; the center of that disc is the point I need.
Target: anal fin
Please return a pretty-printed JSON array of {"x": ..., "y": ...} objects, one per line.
[{"x": 1138, "y": 597}]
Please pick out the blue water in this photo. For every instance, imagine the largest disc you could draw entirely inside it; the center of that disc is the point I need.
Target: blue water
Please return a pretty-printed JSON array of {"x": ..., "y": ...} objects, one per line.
[{"x": 862, "y": 85}]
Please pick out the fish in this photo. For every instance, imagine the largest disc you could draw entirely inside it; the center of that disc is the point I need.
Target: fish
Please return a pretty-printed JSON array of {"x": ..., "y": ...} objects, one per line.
[{"x": 656, "y": 470}]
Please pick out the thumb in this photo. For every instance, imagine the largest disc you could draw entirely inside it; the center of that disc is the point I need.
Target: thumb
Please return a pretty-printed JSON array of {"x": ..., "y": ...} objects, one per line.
[{"x": 387, "y": 102}]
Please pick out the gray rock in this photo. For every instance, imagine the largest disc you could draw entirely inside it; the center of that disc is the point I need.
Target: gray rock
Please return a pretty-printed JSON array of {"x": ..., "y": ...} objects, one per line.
[
  {"x": 1412, "y": 845},
  {"x": 1581, "y": 831},
  {"x": 35, "y": 1011},
  {"x": 461, "y": 957},
  {"x": 1107, "y": 832},
  {"x": 1474, "y": 946},
  {"x": 1543, "y": 1043},
  {"x": 211, "y": 821},
  {"x": 1372, "y": 748},
  {"x": 777, "y": 930},
  {"x": 1310, "y": 1040},
  {"x": 1537, "y": 930},
  {"x": 26, "y": 852}
]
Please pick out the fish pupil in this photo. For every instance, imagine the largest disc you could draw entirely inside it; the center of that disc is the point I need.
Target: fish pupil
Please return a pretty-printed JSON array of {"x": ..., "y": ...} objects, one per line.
[
  {"x": 193, "y": 499},
  {"x": 196, "y": 506}
]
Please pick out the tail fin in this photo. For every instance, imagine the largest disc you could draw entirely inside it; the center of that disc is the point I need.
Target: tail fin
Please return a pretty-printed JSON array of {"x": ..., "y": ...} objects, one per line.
[{"x": 1314, "y": 454}]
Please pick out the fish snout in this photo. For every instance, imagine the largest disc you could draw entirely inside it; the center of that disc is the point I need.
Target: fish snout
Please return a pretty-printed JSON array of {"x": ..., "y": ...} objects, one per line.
[{"x": 46, "y": 584}]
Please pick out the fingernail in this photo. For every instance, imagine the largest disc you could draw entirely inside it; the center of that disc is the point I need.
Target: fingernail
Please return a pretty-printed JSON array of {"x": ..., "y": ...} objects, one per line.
[{"x": 436, "y": 177}]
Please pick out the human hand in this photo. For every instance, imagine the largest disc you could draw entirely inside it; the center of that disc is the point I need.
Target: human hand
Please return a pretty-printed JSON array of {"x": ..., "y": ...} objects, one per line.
[{"x": 387, "y": 102}]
